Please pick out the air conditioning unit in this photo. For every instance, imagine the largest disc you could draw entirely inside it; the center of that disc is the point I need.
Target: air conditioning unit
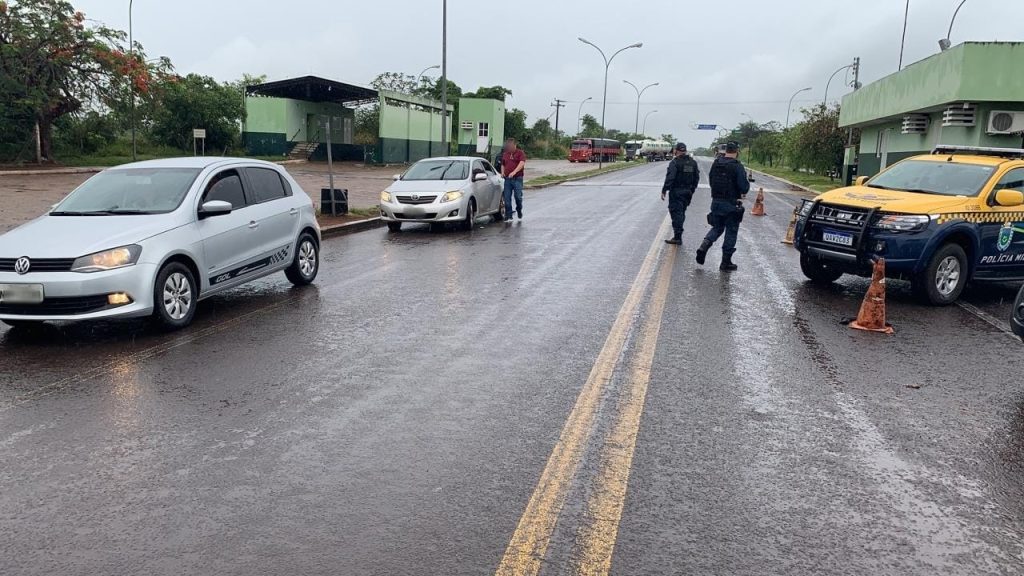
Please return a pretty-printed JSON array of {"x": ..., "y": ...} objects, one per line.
[
  {"x": 964, "y": 115},
  {"x": 916, "y": 123},
  {"x": 1005, "y": 122},
  {"x": 467, "y": 126}
]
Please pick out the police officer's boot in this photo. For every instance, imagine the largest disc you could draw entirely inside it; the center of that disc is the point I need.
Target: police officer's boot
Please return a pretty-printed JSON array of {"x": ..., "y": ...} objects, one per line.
[
  {"x": 727, "y": 265},
  {"x": 702, "y": 252},
  {"x": 677, "y": 239}
]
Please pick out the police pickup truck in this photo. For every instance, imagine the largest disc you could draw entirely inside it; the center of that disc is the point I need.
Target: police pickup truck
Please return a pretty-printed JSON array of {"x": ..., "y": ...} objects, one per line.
[{"x": 939, "y": 220}]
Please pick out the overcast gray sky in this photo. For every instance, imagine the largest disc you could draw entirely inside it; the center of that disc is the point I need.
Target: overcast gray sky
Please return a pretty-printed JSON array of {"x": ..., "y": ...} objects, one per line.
[{"x": 714, "y": 60}]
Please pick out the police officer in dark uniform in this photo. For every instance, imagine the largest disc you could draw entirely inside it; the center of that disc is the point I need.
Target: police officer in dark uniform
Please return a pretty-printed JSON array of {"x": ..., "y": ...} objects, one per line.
[
  {"x": 680, "y": 182},
  {"x": 729, "y": 185}
]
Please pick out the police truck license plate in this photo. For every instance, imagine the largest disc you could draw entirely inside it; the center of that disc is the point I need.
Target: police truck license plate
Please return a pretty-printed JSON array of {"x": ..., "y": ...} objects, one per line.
[
  {"x": 841, "y": 238},
  {"x": 21, "y": 293}
]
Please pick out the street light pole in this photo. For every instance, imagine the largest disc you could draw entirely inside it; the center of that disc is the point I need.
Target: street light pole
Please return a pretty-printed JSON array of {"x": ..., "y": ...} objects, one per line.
[
  {"x": 945, "y": 43},
  {"x": 639, "y": 93},
  {"x": 903, "y": 42},
  {"x": 825, "y": 102},
  {"x": 444, "y": 77},
  {"x": 790, "y": 109},
  {"x": 648, "y": 115},
  {"x": 131, "y": 83},
  {"x": 604, "y": 100},
  {"x": 430, "y": 136},
  {"x": 579, "y": 115}
]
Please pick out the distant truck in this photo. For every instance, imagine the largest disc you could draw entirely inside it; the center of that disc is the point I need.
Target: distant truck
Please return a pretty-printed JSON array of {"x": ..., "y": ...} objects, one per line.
[
  {"x": 655, "y": 150},
  {"x": 595, "y": 150},
  {"x": 633, "y": 149}
]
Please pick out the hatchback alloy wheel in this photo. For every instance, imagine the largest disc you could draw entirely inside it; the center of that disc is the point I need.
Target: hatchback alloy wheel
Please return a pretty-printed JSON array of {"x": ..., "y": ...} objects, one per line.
[{"x": 177, "y": 296}]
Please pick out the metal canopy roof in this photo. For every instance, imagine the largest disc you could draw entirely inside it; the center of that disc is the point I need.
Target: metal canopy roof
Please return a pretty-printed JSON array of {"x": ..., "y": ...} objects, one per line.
[{"x": 313, "y": 89}]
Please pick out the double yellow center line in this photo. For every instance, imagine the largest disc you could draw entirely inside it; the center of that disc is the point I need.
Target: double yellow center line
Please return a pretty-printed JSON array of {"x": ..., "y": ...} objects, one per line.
[{"x": 597, "y": 533}]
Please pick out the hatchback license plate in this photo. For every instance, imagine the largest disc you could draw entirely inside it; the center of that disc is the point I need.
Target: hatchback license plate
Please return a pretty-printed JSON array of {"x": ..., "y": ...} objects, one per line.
[
  {"x": 21, "y": 293},
  {"x": 841, "y": 238}
]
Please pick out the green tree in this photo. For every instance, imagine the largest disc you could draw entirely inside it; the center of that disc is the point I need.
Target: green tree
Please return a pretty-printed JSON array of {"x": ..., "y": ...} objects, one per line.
[
  {"x": 515, "y": 126},
  {"x": 197, "y": 101},
  {"x": 491, "y": 92},
  {"x": 591, "y": 128},
  {"x": 396, "y": 82},
  {"x": 817, "y": 142},
  {"x": 52, "y": 64}
]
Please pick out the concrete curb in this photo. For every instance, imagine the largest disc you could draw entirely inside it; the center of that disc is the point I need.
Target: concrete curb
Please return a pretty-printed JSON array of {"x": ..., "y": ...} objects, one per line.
[
  {"x": 351, "y": 227},
  {"x": 575, "y": 178},
  {"x": 95, "y": 169},
  {"x": 91, "y": 170},
  {"x": 805, "y": 189}
]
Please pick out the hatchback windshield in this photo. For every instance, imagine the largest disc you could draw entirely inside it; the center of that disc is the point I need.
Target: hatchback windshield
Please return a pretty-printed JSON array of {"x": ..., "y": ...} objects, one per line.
[
  {"x": 129, "y": 191},
  {"x": 438, "y": 170},
  {"x": 945, "y": 178}
]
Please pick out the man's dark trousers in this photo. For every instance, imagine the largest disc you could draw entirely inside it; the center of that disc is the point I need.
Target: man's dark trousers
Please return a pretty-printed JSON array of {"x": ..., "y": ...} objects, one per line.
[
  {"x": 725, "y": 218},
  {"x": 678, "y": 201}
]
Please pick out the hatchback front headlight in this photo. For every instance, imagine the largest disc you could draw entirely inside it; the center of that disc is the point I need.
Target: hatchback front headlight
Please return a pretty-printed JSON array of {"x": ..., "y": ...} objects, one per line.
[
  {"x": 108, "y": 259},
  {"x": 902, "y": 222},
  {"x": 451, "y": 196}
]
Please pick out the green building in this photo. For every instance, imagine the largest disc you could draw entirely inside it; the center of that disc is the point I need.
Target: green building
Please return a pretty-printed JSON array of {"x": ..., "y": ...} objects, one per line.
[
  {"x": 410, "y": 128},
  {"x": 969, "y": 95},
  {"x": 290, "y": 117},
  {"x": 481, "y": 127}
]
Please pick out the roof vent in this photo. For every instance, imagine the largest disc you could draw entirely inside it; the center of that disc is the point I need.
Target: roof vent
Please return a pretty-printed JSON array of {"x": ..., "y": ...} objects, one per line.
[
  {"x": 916, "y": 123},
  {"x": 964, "y": 115}
]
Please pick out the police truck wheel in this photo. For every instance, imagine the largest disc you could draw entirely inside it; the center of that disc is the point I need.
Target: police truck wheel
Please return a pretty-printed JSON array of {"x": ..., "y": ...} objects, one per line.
[
  {"x": 944, "y": 279},
  {"x": 394, "y": 226},
  {"x": 819, "y": 271}
]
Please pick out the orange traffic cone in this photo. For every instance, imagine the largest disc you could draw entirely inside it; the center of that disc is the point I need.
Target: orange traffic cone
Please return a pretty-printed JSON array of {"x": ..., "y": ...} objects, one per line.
[
  {"x": 872, "y": 312},
  {"x": 758, "y": 209},
  {"x": 791, "y": 229}
]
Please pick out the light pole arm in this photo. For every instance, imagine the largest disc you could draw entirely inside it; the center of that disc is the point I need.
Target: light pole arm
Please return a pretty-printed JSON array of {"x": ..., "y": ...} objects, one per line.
[
  {"x": 957, "y": 11},
  {"x": 829, "y": 83}
]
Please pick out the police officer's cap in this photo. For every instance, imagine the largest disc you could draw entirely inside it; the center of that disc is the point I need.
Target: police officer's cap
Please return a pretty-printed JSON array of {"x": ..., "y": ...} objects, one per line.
[
  {"x": 732, "y": 147},
  {"x": 680, "y": 147}
]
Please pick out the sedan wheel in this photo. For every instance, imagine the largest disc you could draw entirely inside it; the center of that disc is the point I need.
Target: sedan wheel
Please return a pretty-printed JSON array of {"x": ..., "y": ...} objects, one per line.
[{"x": 470, "y": 222}]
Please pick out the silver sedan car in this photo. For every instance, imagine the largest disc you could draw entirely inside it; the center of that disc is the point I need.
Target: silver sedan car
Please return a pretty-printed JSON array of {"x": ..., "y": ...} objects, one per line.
[
  {"x": 154, "y": 238},
  {"x": 439, "y": 191}
]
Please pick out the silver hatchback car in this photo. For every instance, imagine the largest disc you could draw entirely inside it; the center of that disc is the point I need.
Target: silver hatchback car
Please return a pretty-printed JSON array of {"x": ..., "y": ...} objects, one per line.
[{"x": 155, "y": 238}]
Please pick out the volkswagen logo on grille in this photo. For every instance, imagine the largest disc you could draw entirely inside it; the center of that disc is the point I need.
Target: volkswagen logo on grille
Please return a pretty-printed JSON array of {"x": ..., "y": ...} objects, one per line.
[{"x": 22, "y": 265}]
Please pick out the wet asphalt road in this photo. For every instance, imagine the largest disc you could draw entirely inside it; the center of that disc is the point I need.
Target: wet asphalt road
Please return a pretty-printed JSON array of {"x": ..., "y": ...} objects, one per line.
[{"x": 402, "y": 415}]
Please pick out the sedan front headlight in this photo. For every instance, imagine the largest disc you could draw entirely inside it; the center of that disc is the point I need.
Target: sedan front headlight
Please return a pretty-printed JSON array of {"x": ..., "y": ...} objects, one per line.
[
  {"x": 451, "y": 196},
  {"x": 108, "y": 259},
  {"x": 385, "y": 197},
  {"x": 902, "y": 222}
]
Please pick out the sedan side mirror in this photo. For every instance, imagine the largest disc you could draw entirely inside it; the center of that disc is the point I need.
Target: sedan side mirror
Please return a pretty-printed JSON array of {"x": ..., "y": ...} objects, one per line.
[
  {"x": 861, "y": 180},
  {"x": 396, "y": 177},
  {"x": 1010, "y": 198},
  {"x": 214, "y": 208},
  {"x": 479, "y": 177}
]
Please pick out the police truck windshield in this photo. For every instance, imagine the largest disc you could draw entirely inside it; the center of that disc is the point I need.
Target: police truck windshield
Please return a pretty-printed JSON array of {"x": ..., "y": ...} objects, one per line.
[{"x": 926, "y": 177}]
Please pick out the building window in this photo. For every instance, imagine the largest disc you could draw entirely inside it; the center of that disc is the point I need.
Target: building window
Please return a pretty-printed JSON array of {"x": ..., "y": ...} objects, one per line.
[{"x": 484, "y": 130}]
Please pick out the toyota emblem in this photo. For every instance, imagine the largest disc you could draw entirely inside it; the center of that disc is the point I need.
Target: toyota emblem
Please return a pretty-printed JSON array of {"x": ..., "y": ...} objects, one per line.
[
  {"x": 22, "y": 265},
  {"x": 415, "y": 196}
]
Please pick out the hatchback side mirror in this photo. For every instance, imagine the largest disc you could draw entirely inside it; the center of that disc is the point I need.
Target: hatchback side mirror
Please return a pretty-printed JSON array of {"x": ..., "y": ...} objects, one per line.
[
  {"x": 1010, "y": 198},
  {"x": 861, "y": 180},
  {"x": 214, "y": 208}
]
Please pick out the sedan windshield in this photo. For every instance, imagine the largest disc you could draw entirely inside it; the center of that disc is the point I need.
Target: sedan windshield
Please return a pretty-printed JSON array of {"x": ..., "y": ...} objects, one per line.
[
  {"x": 129, "y": 191},
  {"x": 926, "y": 177},
  {"x": 438, "y": 170}
]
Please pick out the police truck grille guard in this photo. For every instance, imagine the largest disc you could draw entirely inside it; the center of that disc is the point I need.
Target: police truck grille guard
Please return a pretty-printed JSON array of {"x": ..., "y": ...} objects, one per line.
[{"x": 855, "y": 221}]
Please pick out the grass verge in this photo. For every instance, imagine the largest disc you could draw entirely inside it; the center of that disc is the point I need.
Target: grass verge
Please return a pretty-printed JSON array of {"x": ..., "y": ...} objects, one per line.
[
  {"x": 813, "y": 181},
  {"x": 552, "y": 179}
]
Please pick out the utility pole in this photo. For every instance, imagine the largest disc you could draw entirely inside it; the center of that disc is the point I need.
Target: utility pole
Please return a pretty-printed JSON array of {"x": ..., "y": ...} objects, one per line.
[
  {"x": 856, "y": 86},
  {"x": 558, "y": 104},
  {"x": 445, "y": 149}
]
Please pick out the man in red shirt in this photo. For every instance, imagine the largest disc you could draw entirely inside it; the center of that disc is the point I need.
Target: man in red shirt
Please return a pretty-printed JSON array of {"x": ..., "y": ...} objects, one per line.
[{"x": 513, "y": 164}]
